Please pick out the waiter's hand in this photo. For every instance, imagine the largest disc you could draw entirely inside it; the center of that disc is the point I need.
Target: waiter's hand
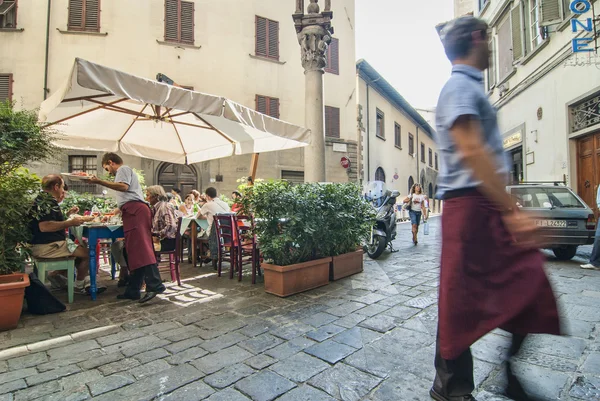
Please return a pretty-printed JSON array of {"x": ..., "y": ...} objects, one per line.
[
  {"x": 92, "y": 180},
  {"x": 523, "y": 229}
]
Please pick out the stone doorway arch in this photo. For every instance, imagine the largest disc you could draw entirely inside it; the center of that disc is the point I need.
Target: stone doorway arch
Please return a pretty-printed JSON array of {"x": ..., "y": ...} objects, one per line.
[{"x": 177, "y": 176}]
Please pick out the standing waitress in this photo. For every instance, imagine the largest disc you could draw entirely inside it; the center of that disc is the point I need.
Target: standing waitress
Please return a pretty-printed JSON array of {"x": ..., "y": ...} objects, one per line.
[
  {"x": 137, "y": 226},
  {"x": 417, "y": 207}
]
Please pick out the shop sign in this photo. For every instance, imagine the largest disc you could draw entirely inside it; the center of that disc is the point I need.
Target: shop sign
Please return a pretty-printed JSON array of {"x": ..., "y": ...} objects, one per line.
[
  {"x": 512, "y": 140},
  {"x": 579, "y": 7}
]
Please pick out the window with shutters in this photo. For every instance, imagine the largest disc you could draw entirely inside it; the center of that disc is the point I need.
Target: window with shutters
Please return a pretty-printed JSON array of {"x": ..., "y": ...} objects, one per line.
[
  {"x": 267, "y": 105},
  {"x": 436, "y": 162},
  {"x": 293, "y": 177},
  {"x": 411, "y": 144},
  {"x": 534, "y": 30},
  {"x": 8, "y": 14},
  {"x": 566, "y": 9},
  {"x": 398, "y": 136},
  {"x": 516, "y": 21},
  {"x": 550, "y": 12},
  {"x": 84, "y": 15},
  {"x": 179, "y": 21},
  {"x": 505, "y": 58},
  {"x": 422, "y": 152},
  {"x": 83, "y": 164},
  {"x": 491, "y": 71},
  {"x": 267, "y": 38},
  {"x": 380, "y": 125},
  {"x": 332, "y": 122},
  {"x": 6, "y": 81},
  {"x": 430, "y": 157},
  {"x": 333, "y": 57}
]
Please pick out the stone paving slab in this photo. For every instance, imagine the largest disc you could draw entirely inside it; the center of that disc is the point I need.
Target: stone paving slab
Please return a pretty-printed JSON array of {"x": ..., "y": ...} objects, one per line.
[{"x": 367, "y": 337}]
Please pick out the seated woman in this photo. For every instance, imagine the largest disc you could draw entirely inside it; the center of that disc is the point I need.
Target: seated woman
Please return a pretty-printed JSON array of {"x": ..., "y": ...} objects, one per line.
[
  {"x": 187, "y": 207},
  {"x": 237, "y": 205},
  {"x": 164, "y": 229}
]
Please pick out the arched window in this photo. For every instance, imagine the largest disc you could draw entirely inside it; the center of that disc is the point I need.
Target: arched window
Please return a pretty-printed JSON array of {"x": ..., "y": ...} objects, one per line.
[
  {"x": 379, "y": 174},
  {"x": 411, "y": 182}
]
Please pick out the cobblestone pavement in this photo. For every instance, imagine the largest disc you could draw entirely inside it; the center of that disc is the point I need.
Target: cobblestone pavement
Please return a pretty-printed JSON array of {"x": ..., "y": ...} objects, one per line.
[{"x": 368, "y": 337}]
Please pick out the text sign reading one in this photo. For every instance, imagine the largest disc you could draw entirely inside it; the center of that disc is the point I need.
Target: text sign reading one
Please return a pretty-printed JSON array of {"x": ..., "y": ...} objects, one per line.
[{"x": 581, "y": 45}]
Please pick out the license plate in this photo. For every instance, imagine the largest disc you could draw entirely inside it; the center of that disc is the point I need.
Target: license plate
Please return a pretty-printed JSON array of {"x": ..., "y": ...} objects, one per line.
[{"x": 551, "y": 223}]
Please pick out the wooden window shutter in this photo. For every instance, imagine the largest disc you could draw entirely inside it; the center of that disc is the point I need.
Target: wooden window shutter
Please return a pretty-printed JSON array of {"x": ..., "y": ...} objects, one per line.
[
  {"x": 5, "y": 87},
  {"x": 505, "y": 58},
  {"x": 273, "y": 31},
  {"x": 187, "y": 22},
  {"x": 273, "y": 107},
  {"x": 517, "y": 32},
  {"x": 261, "y": 36},
  {"x": 92, "y": 15},
  {"x": 491, "y": 73},
  {"x": 261, "y": 104},
  {"x": 172, "y": 20},
  {"x": 333, "y": 57},
  {"x": 75, "y": 14},
  {"x": 550, "y": 12},
  {"x": 332, "y": 122}
]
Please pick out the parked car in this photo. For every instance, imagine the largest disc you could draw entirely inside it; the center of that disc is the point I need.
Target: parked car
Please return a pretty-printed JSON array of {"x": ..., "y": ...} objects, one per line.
[{"x": 565, "y": 221}]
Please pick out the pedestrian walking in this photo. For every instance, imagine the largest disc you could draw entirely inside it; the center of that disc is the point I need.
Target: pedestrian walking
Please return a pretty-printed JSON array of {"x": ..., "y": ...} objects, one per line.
[
  {"x": 417, "y": 204},
  {"x": 137, "y": 225},
  {"x": 491, "y": 270},
  {"x": 594, "y": 262}
]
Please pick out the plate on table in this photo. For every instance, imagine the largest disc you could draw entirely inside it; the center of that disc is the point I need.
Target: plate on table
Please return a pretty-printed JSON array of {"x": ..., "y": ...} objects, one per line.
[{"x": 79, "y": 177}]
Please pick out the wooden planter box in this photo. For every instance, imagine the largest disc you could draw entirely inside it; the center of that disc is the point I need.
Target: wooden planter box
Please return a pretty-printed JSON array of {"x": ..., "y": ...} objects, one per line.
[
  {"x": 346, "y": 265},
  {"x": 284, "y": 281},
  {"x": 12, "y": 293}
]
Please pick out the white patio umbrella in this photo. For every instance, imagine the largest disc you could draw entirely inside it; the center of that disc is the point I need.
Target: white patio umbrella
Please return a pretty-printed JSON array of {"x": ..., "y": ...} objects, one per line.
[{"x": 102, "y": 109}]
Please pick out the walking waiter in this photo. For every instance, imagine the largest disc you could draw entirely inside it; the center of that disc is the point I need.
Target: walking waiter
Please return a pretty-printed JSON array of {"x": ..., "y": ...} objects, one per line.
[
  {"x": 491, "y": 271},
  {"x": 137, "y": 225}
]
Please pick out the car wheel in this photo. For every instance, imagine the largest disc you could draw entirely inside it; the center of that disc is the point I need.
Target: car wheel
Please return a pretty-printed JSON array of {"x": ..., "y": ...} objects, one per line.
[{"x": 566, "y": 253}]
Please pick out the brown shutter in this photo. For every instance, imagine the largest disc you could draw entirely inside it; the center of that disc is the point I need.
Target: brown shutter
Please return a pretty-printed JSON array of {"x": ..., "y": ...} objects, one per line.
[
  {"x": 261, "y": 37},
  {"x": 273, "y": 39},
  {"x": 5, "y": 87},
  {"x": 274, "y": 107},
  {"x": 92, "y": 15},
  {"x": 550, "y": 12},
  {"x": 332, "y": 122},
  {"x": 171, "y": 20},
  {"x": 187, "y": 22},
  {"x": 333, "y": 59},
  {"x": 261, "y": 104},
  {"x": 75, "y": 14},
  {"x": 517, "y": 32}
]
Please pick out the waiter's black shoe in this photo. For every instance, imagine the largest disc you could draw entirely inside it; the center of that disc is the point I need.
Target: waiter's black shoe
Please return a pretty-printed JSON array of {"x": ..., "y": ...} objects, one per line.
[
  {"x": 127, "y": 296},
  {"x": 438, "y": 397},
  {"x": 151, "y": 294}
]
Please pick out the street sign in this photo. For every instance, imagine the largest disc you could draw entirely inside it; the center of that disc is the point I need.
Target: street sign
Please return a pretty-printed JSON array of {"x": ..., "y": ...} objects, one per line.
[{"x": 345, "y": 162}]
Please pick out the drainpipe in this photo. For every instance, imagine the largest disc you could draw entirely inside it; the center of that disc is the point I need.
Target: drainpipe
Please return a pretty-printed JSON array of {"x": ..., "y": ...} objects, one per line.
[
  {"x": 46, "y": 90},
  {"x": 368, "y": 150}
]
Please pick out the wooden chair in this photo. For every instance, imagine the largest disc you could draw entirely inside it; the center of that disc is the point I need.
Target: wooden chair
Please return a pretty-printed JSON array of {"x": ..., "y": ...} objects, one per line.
[
  {"x": 68, "y": 264},
  {"x": 224, "y": 223},
  {"x": 247, "y": 248},
  {"x": 174, "y": 254}
]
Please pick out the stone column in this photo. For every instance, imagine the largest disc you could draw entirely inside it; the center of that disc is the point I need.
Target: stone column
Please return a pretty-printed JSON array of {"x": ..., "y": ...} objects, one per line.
[{"x": 314, "y": 35}]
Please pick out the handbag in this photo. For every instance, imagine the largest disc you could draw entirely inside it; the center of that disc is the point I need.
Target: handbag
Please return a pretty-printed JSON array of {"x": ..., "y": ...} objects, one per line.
[{"x": 406, "y": 206}]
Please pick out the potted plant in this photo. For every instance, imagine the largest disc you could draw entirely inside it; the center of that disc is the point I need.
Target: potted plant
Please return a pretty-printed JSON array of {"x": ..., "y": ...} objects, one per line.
[
  {"x": 286, "y": 225},
  {"x": 22, "y": 141},
  {"x": 348, "y": 219}
]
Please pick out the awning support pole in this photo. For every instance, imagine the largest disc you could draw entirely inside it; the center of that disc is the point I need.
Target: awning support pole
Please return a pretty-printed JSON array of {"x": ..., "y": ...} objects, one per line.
[{"x": 254, "y": 165}]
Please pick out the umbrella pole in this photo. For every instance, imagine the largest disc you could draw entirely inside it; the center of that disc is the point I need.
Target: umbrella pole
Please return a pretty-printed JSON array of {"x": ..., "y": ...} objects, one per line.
[{"x": 254, "y": 165}]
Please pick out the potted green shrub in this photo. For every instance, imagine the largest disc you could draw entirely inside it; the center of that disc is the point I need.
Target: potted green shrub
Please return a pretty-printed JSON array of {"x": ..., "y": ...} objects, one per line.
[
  {"x": 287, "y": 226},
  {"x": 22, "y": 141},
  {"x": 347, "y": 219}
]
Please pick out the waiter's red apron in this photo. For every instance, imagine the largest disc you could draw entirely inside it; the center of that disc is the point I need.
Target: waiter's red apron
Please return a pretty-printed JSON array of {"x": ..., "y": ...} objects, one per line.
[
  {"x": 487, "y": 281},
  {"x": 137, "y": 227}
]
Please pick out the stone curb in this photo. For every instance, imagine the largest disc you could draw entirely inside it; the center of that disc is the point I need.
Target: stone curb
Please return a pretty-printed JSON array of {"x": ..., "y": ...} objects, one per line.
[{"x": 58, "y": 341}]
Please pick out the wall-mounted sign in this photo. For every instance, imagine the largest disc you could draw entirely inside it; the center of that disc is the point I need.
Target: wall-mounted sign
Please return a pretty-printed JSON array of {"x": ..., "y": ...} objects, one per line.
[
  {"x": 345, "y": 162},
  {"x": 512, "y": 140},
  {"x": 340, "y": 147},
  {"x": 579, "y": 7},
  {"x": 530, "y": 158}
]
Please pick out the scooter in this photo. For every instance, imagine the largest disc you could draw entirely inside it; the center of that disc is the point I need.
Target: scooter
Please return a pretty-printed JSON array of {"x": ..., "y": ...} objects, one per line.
[{"x": 384, "y": 230}]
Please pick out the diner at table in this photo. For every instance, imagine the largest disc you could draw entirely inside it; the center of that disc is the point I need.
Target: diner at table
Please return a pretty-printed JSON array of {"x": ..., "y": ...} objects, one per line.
[{"x": 137, "y": 227}]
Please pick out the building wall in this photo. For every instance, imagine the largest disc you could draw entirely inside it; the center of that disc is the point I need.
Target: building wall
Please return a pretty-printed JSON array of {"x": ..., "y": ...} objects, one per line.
[
  {"x": 220, "y": 63},
  {"x": 462, "y": 7},
  {"x": 545, "y": 82},
  {"x": 377, "y": 152}
]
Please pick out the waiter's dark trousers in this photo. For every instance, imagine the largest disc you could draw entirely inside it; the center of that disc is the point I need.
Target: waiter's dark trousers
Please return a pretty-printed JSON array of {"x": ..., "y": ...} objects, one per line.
[
  {"x": 454, "y": 378},
  {"x": 149, "y": 274}
]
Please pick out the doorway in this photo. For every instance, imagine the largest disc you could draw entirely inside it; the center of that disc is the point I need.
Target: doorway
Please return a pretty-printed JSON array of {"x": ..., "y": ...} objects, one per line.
[
  {"x": 516, "y": 165},
  {"x": 178, "y": 176},
  {"x": 588, "y": 169}
]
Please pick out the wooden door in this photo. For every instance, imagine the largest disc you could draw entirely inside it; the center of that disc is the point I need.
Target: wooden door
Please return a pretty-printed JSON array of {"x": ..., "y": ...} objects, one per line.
[
  {"x": 178, "y": 176},
  {"x": 587, "y": 167}
]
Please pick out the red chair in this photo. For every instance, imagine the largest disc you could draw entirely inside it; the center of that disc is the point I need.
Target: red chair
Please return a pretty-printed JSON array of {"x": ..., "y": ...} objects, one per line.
[
  {"x": 226, "y": 228},
  {"x": 174, "y": 254},
  {"x": 247, "y": 248}
]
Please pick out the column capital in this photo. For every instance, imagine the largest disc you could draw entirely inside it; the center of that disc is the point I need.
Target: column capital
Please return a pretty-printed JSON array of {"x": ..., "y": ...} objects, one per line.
[{"x": 314, "y": 41}]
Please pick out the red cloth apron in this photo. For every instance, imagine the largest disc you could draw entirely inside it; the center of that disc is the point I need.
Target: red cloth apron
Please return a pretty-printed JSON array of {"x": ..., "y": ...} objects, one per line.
[
  {"x": 137, "y": 226},
  {"x": 487, "y": 281}
]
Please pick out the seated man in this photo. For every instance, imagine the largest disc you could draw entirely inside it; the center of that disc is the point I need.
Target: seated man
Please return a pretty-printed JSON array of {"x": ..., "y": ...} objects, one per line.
[
  {"x": 49, "y": 239},
  {"x": 213, "y": 206}
]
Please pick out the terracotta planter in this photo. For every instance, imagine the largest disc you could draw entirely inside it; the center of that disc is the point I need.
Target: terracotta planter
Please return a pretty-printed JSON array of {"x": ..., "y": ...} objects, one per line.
[
  {"x": 12, "y": 292},
  {"x": 288, "y": 280},
  {"x": 346, "y": 265}
]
